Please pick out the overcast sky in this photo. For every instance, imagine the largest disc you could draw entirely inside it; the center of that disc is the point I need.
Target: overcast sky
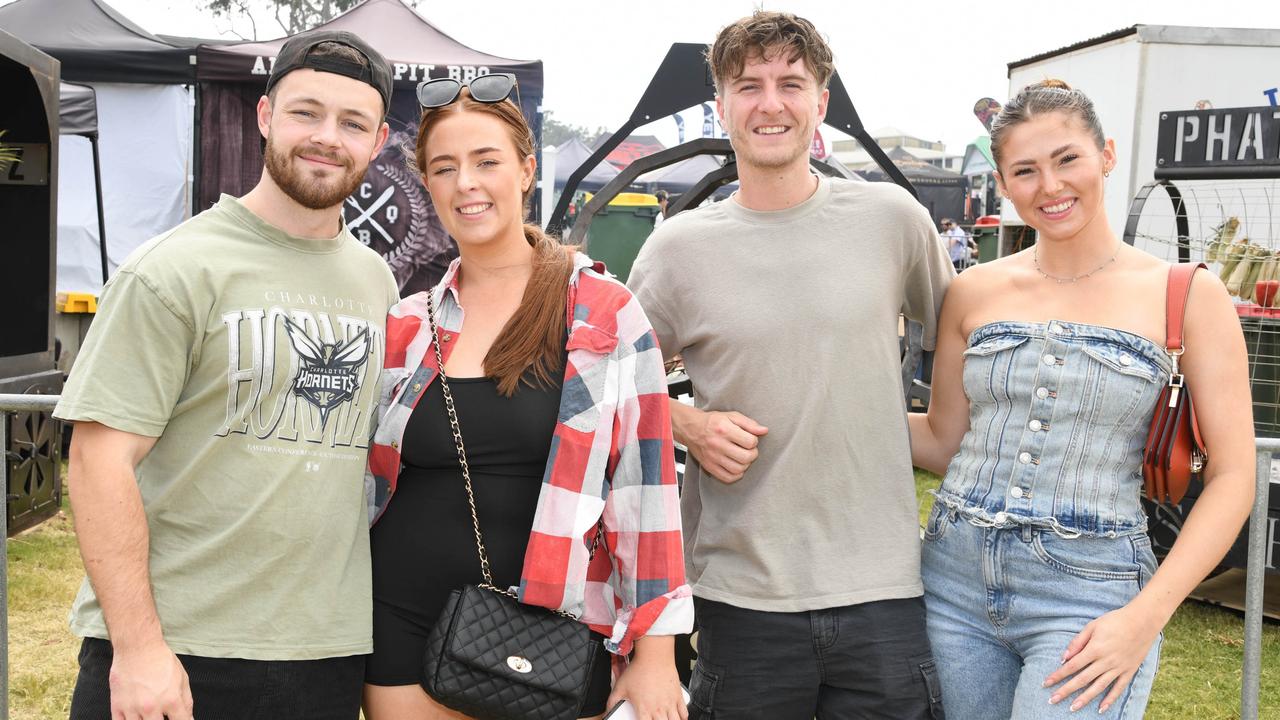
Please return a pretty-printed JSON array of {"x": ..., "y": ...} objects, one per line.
[{"x": 915, "y": 65}]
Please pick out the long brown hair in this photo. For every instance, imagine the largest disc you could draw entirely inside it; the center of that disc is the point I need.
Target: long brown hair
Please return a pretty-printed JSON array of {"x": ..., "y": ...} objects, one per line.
[{"x": 530, "y": 347}]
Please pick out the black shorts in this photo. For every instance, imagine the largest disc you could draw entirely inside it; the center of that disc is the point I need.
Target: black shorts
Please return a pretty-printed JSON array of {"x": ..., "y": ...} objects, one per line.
[
  {"x": 400, "y": 644},
  {"x": 870, "y": 660},
  {"x": 237, "y": 689}
]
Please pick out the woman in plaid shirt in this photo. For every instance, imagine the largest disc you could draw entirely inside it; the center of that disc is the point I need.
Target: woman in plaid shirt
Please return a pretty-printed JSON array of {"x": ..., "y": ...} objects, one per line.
[{"x": 562, "y": 401}]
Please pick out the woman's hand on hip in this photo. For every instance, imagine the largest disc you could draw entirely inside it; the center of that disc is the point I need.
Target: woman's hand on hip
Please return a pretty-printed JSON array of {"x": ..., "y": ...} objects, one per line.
[{"x": 1106, "y": 653}]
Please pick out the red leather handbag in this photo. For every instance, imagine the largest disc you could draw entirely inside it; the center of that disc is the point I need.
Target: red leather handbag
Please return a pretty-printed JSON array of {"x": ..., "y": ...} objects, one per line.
[{"x": 1174, "y": 452}]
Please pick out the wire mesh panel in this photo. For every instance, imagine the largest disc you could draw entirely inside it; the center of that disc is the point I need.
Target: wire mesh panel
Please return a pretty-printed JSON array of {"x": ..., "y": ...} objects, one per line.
[
  {"x": 1262, "y": 339},
  {"x": 1240, "y": 212},
  {"x": 1233, "y": 226}
]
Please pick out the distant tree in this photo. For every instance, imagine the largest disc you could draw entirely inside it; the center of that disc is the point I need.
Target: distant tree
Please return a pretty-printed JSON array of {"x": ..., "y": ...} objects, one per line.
[
  {"x": 555, "y": 132},
  {"x": 293, "y": 16}
]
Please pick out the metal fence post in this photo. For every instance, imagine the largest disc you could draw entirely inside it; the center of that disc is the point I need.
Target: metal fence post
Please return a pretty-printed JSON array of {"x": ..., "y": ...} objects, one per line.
[
  {"x": 4, "y": 569},
  {"x": 1250, "y": 677}
]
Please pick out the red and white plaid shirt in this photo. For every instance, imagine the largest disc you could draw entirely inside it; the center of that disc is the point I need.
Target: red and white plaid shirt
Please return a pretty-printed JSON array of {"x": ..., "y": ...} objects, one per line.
[{"x": 611, "y": 456}]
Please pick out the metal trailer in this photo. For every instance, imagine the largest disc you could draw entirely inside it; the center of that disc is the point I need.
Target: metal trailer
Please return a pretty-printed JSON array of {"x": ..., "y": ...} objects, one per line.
[{"x": 28, "y": 202}]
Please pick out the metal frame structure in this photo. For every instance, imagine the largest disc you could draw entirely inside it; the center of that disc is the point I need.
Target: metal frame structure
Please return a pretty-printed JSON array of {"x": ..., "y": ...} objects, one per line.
[
  {"x": 683, "y": 80},
  {"x": 701, "y": 190},
  {"x": 1179, "y": 215}
]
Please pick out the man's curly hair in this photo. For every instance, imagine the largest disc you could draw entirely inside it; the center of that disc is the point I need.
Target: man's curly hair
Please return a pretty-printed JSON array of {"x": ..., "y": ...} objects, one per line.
[{"x": 763, "y": 34}]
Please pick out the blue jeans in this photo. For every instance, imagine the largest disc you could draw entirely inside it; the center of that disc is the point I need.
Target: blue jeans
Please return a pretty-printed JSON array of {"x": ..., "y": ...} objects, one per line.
[{"x": 1003, "y": 602}]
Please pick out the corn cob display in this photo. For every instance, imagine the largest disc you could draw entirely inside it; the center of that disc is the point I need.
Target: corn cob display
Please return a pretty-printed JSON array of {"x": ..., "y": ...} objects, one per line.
[
  {"x": 1223, "y": 235},
  {"x": 1250, "y": 258},
  {"x": 1230, "y": 256}
]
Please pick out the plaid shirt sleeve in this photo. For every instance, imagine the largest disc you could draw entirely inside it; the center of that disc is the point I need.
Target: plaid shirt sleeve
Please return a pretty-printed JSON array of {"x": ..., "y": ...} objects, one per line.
[
  {"x": 642, "y": 511},
  {"x": 612, "y": 454}
]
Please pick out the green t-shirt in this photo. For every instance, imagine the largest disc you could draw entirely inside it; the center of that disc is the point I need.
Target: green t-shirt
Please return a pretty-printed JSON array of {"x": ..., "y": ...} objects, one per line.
[{"x": 254, "y": 357}]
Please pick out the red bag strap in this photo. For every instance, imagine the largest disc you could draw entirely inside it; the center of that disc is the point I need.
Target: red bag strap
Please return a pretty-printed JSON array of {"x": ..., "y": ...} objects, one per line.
[{"x": 1175, "y": 304}]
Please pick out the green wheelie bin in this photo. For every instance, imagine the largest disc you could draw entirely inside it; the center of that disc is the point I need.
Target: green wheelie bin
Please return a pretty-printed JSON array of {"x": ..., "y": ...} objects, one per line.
[{"x": 619, "y": 229}]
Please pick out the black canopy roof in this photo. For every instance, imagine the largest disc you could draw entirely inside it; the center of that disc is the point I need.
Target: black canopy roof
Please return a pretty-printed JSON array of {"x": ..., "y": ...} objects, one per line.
[
  {"x": 77, "y": 110},
  {"x": 97, "y": 44},
  {"x": 403, "y": 37}
]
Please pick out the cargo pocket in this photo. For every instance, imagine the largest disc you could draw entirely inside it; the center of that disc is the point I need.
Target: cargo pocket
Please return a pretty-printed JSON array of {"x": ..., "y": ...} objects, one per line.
[
  {"x": 929, "y": 675},
  {"x": 702, "y": 691}
]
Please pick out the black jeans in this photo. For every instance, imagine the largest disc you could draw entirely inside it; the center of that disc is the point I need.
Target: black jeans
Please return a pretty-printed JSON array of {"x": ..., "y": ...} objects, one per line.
[
  {"x": 236, "y": 689},
  {"x": 862, "y": 661}
]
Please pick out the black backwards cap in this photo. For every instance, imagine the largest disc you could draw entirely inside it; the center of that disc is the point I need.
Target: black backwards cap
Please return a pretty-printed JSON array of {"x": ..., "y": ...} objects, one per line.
[{"x": 296, "y": 54}]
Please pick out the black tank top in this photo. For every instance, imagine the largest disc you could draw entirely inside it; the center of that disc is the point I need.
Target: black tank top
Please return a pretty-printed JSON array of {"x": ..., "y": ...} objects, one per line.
[{"x": 423, "y": 545}]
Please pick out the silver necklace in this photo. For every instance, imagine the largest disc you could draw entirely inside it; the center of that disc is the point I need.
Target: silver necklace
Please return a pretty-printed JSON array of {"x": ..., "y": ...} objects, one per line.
[{"x": 1035, "y": 258}]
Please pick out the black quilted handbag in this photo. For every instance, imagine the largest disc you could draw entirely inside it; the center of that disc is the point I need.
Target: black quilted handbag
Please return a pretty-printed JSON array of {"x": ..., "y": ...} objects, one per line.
[{"x": 491, "y": 656}]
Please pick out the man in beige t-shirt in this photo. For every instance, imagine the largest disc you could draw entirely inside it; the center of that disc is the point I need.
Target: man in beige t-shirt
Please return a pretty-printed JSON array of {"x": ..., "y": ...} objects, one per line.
[
  {"x": 801, "y": 536},
  {"x": 222, "y": 407}
]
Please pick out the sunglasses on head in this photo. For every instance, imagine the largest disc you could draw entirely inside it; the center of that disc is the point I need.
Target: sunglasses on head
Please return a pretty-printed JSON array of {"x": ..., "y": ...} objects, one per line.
[{"x": 492, "y": 88}]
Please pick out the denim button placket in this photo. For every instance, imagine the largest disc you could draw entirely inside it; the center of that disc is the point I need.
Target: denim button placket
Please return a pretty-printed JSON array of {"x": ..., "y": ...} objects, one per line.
[
  {"x": 1035, "y": 434},
  {"x": 1056, "y": 362}
]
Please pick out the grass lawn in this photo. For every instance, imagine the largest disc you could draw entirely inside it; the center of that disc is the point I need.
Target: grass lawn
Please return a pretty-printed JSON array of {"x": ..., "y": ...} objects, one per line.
[
  {"x": 1199, "y": 674},
  {"x": 44, "y": 575}
]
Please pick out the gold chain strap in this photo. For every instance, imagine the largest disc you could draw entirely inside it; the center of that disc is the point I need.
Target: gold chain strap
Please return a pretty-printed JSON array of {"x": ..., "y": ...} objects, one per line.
[{"x": 466, "y": 470}]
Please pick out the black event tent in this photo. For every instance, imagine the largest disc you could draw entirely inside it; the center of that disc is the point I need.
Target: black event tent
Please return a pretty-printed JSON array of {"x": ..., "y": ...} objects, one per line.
[
  {"x": 97, "y": 44},
  {"x": 389, "y": 212},
  {"x": 145, "y": 121},
  {"x": 77, "y": 110},
  {"x": 571, "y": 154},
  {"x": 78, "y": 115},
  {"x": 941, "y": 191}
]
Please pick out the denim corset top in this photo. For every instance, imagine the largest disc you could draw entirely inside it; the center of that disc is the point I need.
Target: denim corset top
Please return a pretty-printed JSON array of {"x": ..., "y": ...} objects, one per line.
[{"x": 1058, "y": 416}]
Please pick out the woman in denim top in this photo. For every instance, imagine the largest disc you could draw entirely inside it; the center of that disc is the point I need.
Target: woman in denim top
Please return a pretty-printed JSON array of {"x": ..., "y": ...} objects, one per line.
[{"x": 1043, "y": 595}]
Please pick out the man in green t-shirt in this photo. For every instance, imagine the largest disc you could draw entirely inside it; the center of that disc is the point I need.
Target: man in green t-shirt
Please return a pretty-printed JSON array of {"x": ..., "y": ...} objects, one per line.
[{"x": 222, "y": 407}]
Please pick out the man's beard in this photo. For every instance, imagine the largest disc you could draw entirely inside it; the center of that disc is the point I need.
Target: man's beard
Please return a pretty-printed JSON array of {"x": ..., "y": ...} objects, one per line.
[{"x": 306, "y": 189}]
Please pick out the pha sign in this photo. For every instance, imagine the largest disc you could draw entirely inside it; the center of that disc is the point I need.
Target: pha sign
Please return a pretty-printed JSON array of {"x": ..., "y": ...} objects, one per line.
[{"x": 1235, "y": 142}]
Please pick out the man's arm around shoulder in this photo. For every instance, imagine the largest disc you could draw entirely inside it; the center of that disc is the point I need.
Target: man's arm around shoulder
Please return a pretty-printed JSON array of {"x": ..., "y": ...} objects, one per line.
[{"x": 147, "y": 680}]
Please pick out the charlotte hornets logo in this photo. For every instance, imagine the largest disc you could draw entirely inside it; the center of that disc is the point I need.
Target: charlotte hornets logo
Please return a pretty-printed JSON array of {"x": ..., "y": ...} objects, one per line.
[
  {"x": 328, "y": 373},
  {"x": 294, "y": 375}
]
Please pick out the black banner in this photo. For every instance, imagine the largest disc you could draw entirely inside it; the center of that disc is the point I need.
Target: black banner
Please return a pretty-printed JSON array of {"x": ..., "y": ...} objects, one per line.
[{"x": 1239, "y": 142}]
